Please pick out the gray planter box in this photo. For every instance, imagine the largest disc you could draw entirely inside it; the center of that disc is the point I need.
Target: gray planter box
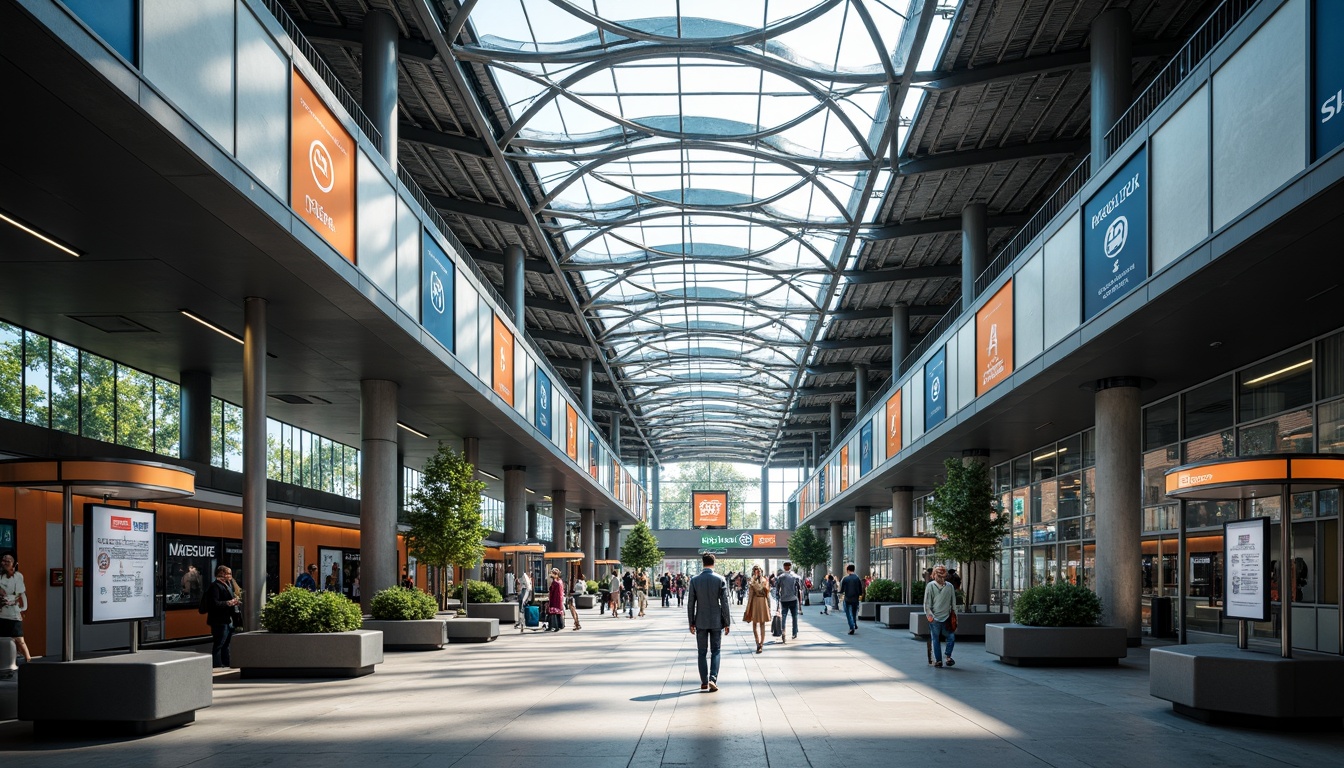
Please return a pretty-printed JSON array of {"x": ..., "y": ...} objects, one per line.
[
  {"x": 308, "y": 654},
  {"x": 472, "y": 630},
  {"x": 416, "y": 635},
  {"x": 868, "y": 611},
  {"x": 504, "y": 613},
  {"x": 897, "y": 615},
  {"x": 1025, "y": 646},
  {"x": 585, "y": 601},
  {"x": 139, "y": 692},
  {"x": 970, "y": 626},
  {"x": 1219, "y": 682}
]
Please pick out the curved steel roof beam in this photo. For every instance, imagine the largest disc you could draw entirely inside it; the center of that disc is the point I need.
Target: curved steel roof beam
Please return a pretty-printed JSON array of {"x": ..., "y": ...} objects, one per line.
[
  {"x": 772, "y": 319},
  {"x": 745, "y": 35},
  {"x": 647, "y": 364},
  {"x": 758, "y": 344},
  {"x": 781, "y": 279},
  {"x": 624, "y": 149},
  {"x": 747, "y": 371},
  {"x": 709, "y": 253},
  {"x": 636, "y": 303},
  {"x": 641, "y": 219},
  {"x": 699, "y": 200}
]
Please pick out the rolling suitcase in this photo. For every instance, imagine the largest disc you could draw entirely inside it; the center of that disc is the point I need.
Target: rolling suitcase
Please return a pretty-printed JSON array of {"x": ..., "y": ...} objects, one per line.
[
  {"x": 532, "y": 616},
  {"x": 777, "y": 626}
]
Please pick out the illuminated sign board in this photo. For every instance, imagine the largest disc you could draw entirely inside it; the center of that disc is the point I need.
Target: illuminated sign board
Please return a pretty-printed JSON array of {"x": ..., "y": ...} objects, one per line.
[
  {"x": 1115, "y": 237},
  {"x": 710, "y": 509},
  {"x": 994, "y": 340},
  {"x": 321, "y": 169}
]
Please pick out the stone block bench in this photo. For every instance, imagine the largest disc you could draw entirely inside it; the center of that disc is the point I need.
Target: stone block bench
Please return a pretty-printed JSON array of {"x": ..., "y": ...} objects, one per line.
[
  {"x": 1024, "y": 646},
  {"x": 420, "y": 635},
  {"x": 868, "y": 611},
  {"x": 1219, "y": 682},
  {"x": 585, "y": 601},
  {"x": 139, "y": 693},
  {"x": 315, "y": 654},
  {"x": 895, "y": 615},
  {"x": 970, "y": 626},
  {"x": 504, "y": 613},
  {"x": 471, "y": 630}
]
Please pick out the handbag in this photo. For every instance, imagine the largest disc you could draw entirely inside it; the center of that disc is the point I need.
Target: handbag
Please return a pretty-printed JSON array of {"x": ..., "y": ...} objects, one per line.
[
  {"x": 952, "y": 622},
  {"x": 777, "y": 626}
]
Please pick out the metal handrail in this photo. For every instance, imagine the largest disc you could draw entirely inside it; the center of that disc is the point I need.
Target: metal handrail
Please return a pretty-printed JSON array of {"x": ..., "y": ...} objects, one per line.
[{"x": 1066, "y": 191}]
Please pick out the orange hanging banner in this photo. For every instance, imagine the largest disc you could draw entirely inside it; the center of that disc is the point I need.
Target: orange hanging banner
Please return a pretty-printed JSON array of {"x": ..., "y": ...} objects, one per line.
[
  {"x": 321, "y": 169},
  {"x": 893, "y": 419},
  {"x": 710, "y": 509},
  {"x": 994, "y": 340},
  {"x": 503, "y": 365}
]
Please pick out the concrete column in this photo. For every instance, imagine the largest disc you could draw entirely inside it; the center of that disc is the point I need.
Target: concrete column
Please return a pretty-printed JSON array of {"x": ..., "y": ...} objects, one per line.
[
  {"x": 586, "y": 387},
  {"x": 588, "y": 542},
  {"x": 614, "y": 541},
  {"x": 558, "y": 501},
  {"x": 863, "y": 541},
  {"x": 974, "y": 249},
  {"x": 900, "y": 339},
  {"x": 860, "y": 387},
  {"x": 902, "y": 524},
  {"x": 838, "y": 548},
  {"x": 380, "y": 85},
  {"x": 655, "y": 501},
  {"x": 531, "y": 522},
  {"x": 515, "y": 503},
  {"x": 791, "y": 516},
  {"x": 194, "y": 416},
  {"x": 599, "y": 548},
  {"x": 1112, "y": 76},
  {"x": 378, "y": 478},
  {"x": 471, "y": 451},
  {"x": 616, "y": 435},
  {"x": 514, "y": 282},
  {"x": 1119, "y": 514},
  {"x": 835, "y": 424},
  {"x": 816, "y": 450},
  {"x": 254, "y": 461},
  {"x": 765, "y": 498}
]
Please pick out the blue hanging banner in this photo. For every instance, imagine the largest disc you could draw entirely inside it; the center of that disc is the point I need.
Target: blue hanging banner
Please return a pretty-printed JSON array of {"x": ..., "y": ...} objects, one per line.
[
  {"x": 1115, "y": 239},
  {"x": 935, "y": 389},
  {"x": 436, "y": 293},
  {"x": 1327, "y": 77},
  {"x": 866, "y": 448},
  {"x": 543, "y": 417}
]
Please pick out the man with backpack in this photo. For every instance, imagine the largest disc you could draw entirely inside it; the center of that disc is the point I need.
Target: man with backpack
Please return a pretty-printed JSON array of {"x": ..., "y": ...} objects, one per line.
[{"x": 788, "y": 590}]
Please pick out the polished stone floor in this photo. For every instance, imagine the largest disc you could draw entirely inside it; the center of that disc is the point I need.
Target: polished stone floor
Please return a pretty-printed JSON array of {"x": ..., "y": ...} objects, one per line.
[{"x": 625, "y": 693}]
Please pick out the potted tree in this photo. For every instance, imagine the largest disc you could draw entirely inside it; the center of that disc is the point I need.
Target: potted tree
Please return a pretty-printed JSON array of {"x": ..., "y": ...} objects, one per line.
[
  {"x": 445, "y": 526},
  {"x": 640, "y": 549},
  {"x": 807, "y": 550},
  {"x": 406, "y": 617},
  {"x": 1056, "y": 625},
  {"x": 309, "y": 634}
]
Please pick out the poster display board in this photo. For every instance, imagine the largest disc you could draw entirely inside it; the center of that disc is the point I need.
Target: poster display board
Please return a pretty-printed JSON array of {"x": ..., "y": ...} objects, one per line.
[
  {"x": 844, "y": 468},
  {"x": 321, "y": 169},
  {"x": 1246, "y": 564},
  {"x": 436, "y": 301},
  {"x": 1115, "y": 238},
  {"x": 866, "y": 448},
  {"x": 119, "y": 546},
  {"x": 571, "y": 432},
  {"x": 503, "y": 361},
  {"x": 893, "y": 420},
  {"x": 994, "y": 340},
  {"x": 542, "y": 419},
  {"x": 935, "y": 390},
  {"x": 710, "y": 509},
  {"x": 1327, "y": 78}
]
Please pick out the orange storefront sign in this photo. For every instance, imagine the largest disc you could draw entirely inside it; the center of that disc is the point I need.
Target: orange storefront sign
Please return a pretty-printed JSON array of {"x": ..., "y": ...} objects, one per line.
[
  {"x": 503, "y": 365},
  {"x": 1248, "y": 471},
  {"x": 994, "y": 340},
  {"x": 844, "y": 468},
  {"x": 893, "y": 424},
  {"x": 710, "y": 509},
  {"x": 764, "y": 540},
  {"x": 571, "y": 431},
  {"x": 321, "y": 169}
]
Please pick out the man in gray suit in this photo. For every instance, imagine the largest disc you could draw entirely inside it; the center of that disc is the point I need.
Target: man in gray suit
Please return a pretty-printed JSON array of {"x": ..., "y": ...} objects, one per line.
[{"x": 707, "y": 610}]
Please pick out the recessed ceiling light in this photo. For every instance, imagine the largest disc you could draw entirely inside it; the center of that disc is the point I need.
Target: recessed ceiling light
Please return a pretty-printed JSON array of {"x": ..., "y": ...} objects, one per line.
[
  {"x": 413, "y": 430},
  {"x": 39, "y": 235}
]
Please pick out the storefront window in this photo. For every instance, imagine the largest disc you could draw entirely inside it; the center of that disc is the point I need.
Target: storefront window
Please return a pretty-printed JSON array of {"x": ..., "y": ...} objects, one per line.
[
  {"x": 1330, "y": 365},
  {"x": 1155, "y": 466},
  {"x": 1274, "y": 386},
  {"x": 189, "y": 567},
  {"x": 1206, "y": 514},
  {"x": 1070, "y": 496},
  {"x": 1286, "y": 433},
  {"x": 1043, "y": 463},
  {"x": 1021, "y": 471},
  {"x": 1208, "y": 408},
  {"x": 1219, "y": 445},
  {"x": 1330, "y": 416},
  {"x": 1160, "y": 422}
]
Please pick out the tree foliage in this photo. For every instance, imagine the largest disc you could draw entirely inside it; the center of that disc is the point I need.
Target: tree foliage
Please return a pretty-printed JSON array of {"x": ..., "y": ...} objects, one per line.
[
  {"x": 445, "y": 514},
  {"x": 675, "y": 498},
  {"x": 966, "y": 517},
  {"x": 640, "y": 549},
  {"x": 808, "y": 550}
]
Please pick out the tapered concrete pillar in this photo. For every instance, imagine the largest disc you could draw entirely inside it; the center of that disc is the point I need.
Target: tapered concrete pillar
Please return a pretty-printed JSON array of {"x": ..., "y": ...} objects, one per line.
[
  {"x": 900, "y": 339},
  {"x": 860, "y": 388},
  {"x": 515, "y": 503},
  {"x": 1119, "y": 559},
  {"x": 377, "y": 488},
  {"x": 195, "y": 416},
  {"x": 586, "y": 387},
  {"x": 254, "y": 461},
  {"x": 863, "y": 541},
  {"x": 614, "y": 541},
  {"x": 902, "y": 524},
  {"x": 379, "y": 53},
  {"x": 974, "y": 249},
  {"x": 588, "y": 542},
  {"x": 515, "y": 281},
  {"x": 558, "y": 501},
  {"x": 838, "y": 549},
  {"x": 765, "y": 498},
  {"x": 835, "y": 424},
  {"x": 1112, "y": 76}
]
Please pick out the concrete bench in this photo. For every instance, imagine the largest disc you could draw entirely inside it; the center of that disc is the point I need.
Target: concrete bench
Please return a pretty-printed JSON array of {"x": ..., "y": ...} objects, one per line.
[
  {"x": 504, "y": 613},
  {"x": 868, "y": 611},
  {"x": 897, "y": 615},
  {"x": 969, "y": 625},
  {"x": 585, "y": 601},
  {"x": 470, "y": 630},
  {"x": 1219, "y": 682},
  {"x": 1024, "y": 646},
  {"x": 139, "y": 693},
  {"x": 419, "y": 635},
  {"x": 307, "y": 654}
]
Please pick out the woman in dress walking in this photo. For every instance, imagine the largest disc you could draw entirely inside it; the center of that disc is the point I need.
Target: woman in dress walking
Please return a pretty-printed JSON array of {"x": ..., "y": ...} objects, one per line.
[
  {"x": 555, "y": 605},
  {"x": 758, "y": 606}
]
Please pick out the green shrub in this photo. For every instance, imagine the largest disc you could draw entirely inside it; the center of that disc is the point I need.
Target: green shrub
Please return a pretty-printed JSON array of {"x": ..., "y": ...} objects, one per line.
[
  {"x": 1057, "y": 605},
  {"x": 917, "y": 592},
  {"x": 592, "y": 587},
  {"x": 402, "y": 604},
  {"x": 883, "y": 591},
  {"x": 298, "y": 610},
  {"x": 480, "y": 592},
  {"x": 461, "y": 612}
]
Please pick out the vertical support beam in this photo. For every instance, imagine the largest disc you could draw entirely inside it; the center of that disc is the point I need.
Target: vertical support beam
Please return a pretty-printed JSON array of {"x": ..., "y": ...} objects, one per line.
[
  {"x": 515, "y": 503},
  {"x": 514, "y": 282},
  {"x": 791, "y": 516},
  {"x": 68, "y": 571},
  {"x": 254, "y": 461},
  {"x": 599, "y": 550},
  {"x": 765, "y": 498},
  {"x": 974, "y": 249},
  {"x": 616, "y": 435},
  {"x": 194, "y": 416},
  {"x": 863, "y": 541},
  {"x": 860, "y": 388},
  {"x": 588, "y": 542},
  {"x": 1287, "y": 573},
  {"x": 380, "y": 82},
  {"x": 531, "y": 522},
  {"x": 900, "y": 339},
  {"x": 558, "y": 501},
  {"x": 655, "y": 499},
  {"x": 586, "y": 387},
  {"x": 614, "y": 541},
  {"x": 902, "y": 524},
  {"x": 1112, "y": 77},
  {"x": 838, "y": 547},
  {"x": 835, "y": 424},
  {"x": 378, "y": 479},
  {"x": 471, "y": 451},
  {"x": 1119, "y": 515},
  {"x": 816, "y": 450}
]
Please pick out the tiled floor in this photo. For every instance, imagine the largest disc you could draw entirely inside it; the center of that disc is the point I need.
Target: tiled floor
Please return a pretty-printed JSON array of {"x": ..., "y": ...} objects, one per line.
[{"x": 626, "y": 693}]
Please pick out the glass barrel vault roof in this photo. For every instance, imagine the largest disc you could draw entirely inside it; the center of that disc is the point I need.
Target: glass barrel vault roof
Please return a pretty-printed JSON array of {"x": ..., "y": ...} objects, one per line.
[{"x": 707, "y": 166}]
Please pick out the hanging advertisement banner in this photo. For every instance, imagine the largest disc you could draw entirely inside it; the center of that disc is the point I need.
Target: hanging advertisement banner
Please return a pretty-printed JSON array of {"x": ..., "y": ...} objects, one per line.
[
  {"x": 935, "y": 389},
  {"x": 1115, "y": 239},
  {"x": 821, "y": 487},
  {"x": 571, "y": 432},
  {"x": 436, "y": 292},
  {"x": 592, "y": 455},
  {"x": 1246, "y": 569},
  {"x": 1327, "y": 77},
  {"x": 503, "y": 365},
  {"x": 321, "y": 169},
  {"x": 994, "y": 340},
  {"x": 893, "y": 422},
  {"x": 844, "y": 468},
  {"x": 542, "y": 419},
  {"x": 736, "y": 539},
  {"x": 866, "y": 448},
  {"x": 119, "y": 548},
  {"x": 709, "y": 509}
]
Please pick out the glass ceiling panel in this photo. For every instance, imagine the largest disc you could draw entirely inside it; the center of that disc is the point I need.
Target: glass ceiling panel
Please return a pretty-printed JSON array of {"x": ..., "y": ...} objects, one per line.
[{"x": 707, "y": 165}]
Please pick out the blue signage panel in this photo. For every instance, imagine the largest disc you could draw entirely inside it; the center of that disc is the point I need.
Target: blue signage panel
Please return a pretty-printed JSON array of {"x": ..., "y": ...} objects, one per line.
[
  {"x": 866, "y": 448},
  {"x": 821, "y": 486},
  {"x": 1327, "y": 77},
  {"x": 543, "y": 417},
  {"x": 436, "y": 293},
  {"x": 935, "y": 389},
  {"x": 1115, "y": 237}
]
